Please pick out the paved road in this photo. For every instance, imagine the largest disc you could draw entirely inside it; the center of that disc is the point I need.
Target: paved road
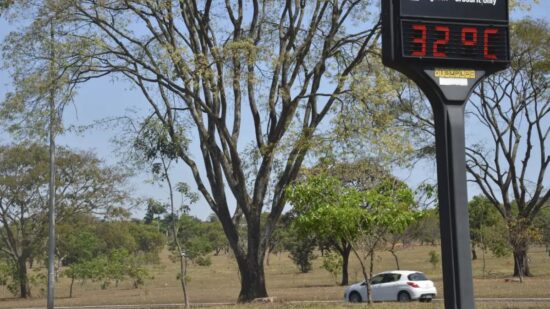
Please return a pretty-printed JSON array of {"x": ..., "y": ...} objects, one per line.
[{"x": 181, "y": 305}]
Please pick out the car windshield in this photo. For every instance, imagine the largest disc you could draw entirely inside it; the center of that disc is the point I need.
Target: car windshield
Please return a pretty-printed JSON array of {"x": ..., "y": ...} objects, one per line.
[{"x": 417, "y": 277}]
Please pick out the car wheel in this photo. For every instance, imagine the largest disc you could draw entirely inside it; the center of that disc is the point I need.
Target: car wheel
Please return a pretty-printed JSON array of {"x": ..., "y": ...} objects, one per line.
[
  {"x": 354, "y": 297},
  {"x": 428, "y": 300},
  {"x": 403, "y": 297}
]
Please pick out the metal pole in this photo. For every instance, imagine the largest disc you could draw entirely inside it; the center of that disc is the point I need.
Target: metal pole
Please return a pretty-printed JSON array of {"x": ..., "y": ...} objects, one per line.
[
  {"x": 51, "y": 191},
  {"x": 453, "y": 211}
]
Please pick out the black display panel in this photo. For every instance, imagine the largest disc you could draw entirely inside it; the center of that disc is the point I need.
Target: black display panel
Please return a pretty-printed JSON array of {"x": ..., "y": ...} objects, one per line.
[
  {"x": 454, "y": 41},
  {"x": 423, "y": 34},
  {"x": 486, "y": 10}
]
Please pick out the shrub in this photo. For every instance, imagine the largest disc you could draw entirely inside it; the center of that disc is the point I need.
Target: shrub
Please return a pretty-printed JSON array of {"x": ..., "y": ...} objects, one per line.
[
  {"x": 332, "y": 262},
  {"x": 434, "y": 258},
  {"x": 301, "y": 252}
]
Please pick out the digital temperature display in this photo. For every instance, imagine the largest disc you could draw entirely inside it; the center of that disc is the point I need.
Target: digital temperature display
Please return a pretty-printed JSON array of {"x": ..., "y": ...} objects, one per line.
[
  {"x": 421, "y": 35},
  {"x": 458, "y": 41}
]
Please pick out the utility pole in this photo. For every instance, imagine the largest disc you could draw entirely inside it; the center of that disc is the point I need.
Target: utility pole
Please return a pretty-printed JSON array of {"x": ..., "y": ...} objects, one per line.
[{"x": 51, "y": 189}]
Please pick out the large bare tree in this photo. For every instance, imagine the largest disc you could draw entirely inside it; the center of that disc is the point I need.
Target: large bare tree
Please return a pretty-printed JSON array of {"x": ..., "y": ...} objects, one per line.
[
  {"x": 506, "y": 152},
  {"x": 514, "y": 107},
  {"x": 235, "y": 73}
]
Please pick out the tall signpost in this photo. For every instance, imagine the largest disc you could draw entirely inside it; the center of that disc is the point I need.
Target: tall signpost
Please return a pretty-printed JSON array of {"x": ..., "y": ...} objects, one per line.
[{"x": 447, "y": 47}]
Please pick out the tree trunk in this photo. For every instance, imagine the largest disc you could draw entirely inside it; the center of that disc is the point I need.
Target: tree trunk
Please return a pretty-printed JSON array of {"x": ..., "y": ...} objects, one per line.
[
  {"x": 59, "y": 268},
  {"x": 252, "y": 280},
  {"x": 371, "y": 266},
  {"x": 518, "y": 231},
  {"x": 474, "y": 254},
  {"x": 71, "y": 287},
  {"x": 365, "y": 275},
  {"x": 521, "y": 264},
  {"x": 345, "y": 265},
  {"x": 483, "y": 259},
  {"x": 396, "y": 259},
  {"x": 251, "y": 266},
  {"x": 24, "y": 289},
  {"x": 181, "y": 254},
  {"x": 392, "y": 251},
  {"x": 267, "y": 257},
  {"x": 183, "y": 275}
]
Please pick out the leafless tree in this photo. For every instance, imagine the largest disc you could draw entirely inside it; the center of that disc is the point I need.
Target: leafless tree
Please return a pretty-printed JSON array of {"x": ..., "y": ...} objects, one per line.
[{"x": 514, "y": 106}]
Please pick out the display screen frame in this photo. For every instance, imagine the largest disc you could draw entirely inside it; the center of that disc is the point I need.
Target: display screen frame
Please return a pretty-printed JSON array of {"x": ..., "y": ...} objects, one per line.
[
  {"x": 393, "y": 41},
  {"x": 479, "y": 42}
]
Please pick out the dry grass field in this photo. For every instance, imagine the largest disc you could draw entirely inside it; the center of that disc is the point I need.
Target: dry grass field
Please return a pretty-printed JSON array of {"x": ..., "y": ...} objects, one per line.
[{"x": 219, "y": 283}]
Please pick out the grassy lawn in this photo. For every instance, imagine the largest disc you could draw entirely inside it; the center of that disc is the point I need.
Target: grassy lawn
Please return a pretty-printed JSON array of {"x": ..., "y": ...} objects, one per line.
[{"x": 219, "y": 283}]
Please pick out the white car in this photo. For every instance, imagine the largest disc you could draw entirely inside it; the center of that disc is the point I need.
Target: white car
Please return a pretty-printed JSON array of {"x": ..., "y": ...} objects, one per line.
[{"x": 395, "y": 285}]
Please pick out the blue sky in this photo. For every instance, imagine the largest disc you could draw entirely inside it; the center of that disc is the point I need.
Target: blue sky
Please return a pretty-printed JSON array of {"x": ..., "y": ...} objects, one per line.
[{"x": 104, "y": 98}]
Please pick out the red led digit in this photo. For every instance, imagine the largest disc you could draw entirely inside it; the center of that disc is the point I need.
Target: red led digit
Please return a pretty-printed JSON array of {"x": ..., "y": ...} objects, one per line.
[
  {"x": 469, "y": 41},
  {"x": 442, "y": 41},
  {"x": 420, "y": 40},
  {"x": 486, "y": 34}
]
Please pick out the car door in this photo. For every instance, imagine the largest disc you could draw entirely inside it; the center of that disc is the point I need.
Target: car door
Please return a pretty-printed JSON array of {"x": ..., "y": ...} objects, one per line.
[
  {"x": 375, "y": 285},
  {"x": 387, "y": 288},
  {"x": 391, "y": 286}
]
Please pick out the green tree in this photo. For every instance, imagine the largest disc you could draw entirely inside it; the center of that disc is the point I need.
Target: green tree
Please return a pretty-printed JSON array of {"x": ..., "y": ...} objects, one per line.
[
  {"x": 153, "y": 148},
  {"x": 116, "y": 235},
  {"x": 6, "y": 271},
  {"x": 108, "y": 251},
  {"x": 390, "y": 209},
  {"x": 215, "y": 235},
  {"x": 426, "y": 228},
  {"x": 193, "y": 236},
  {"x": 149, "y": 241},
  {"x": 84, "y": 186},
  {"x": 116, "y": 267},
  {"x": 325, "y": 208},
  {"x": 361, "y": 175},
  {"x": 330, "y": 212},
  {"x": 434, "y": 258},
  {"x": 154, "y": 208},
  {"x": 487, "y": 229},
  {"x": 301, "y": 251},
  {"x": 87, "y": 269},
  {"x": 77, "y": 245},
  {"x": 543, "y": 224},
  {"x": 332, "y": 263},
  {"x": 283, "y": 236}
]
